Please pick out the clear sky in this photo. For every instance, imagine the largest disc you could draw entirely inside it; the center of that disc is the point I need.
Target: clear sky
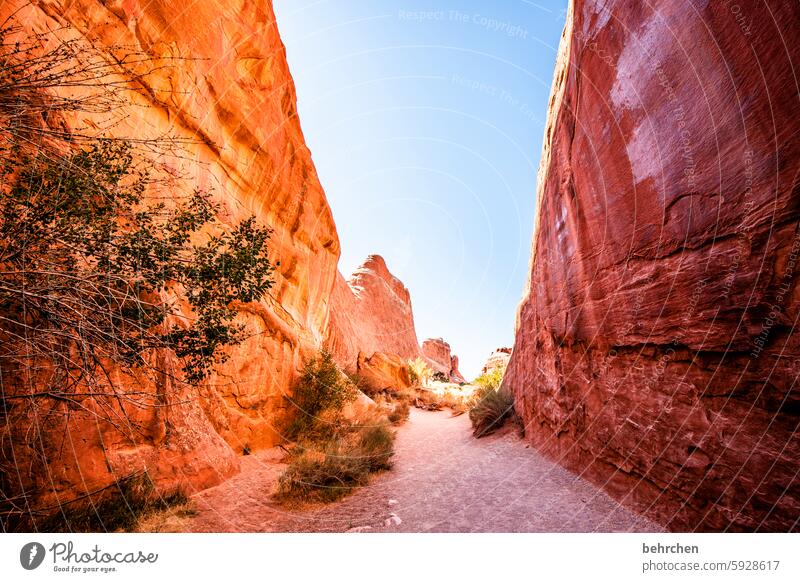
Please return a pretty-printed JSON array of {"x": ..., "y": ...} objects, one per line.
[{"x": 425, "y": 122}]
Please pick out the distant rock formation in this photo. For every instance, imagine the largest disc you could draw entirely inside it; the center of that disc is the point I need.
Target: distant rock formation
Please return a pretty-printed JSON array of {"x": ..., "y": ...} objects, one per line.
[
  {"x": 498, "y": 359},
  {"x": 656, "y": 349},
  {"x": 371, "y": 327},
  {"x": 437, "y": 353}
]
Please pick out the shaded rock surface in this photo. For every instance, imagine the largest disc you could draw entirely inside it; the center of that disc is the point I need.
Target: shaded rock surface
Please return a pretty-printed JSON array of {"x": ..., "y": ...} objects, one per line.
[{"x": 656, "y": 350}]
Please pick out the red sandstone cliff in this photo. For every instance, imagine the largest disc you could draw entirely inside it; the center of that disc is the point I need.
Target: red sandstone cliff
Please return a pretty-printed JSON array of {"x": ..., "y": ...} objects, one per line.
[
  {"x": 371, "y": 313},
  {"x": 371, "y": 329},
  {"x": 231, "y": 96},
  {"x": 655, "y": 349}
]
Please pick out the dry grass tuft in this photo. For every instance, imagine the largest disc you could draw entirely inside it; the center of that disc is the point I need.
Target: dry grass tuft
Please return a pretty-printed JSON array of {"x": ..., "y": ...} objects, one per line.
[{"x": 325, "y": 471}]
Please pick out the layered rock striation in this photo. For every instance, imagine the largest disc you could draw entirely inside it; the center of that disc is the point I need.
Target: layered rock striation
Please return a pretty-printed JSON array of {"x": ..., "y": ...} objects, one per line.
[{"x": 656, "y": 350}]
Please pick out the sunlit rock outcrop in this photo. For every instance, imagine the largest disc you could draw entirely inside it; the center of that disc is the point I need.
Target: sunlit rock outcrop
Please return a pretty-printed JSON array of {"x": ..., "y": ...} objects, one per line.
[
  {"x": 498, "y": 360},
  {"x": 215, "y": 78},
  {"x": 371, "y": 329},
  {"x": 655, "y": 351}
]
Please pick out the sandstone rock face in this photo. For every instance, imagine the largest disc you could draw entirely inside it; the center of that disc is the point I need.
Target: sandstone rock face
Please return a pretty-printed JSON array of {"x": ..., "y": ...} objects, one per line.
[
  {"x": 655, "y": 349},
  {"x": 381, "y": 370},
  {"x": 437, "y": 353},
  {"x": 371, "y": 313},
  {"x": 371, "y": 327},
  {"x": 498, "y": 360},
  {"x": 218, "y": 79}
]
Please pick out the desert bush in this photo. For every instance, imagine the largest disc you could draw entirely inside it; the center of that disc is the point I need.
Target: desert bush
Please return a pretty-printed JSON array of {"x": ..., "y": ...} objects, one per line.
[
  {"x": 490, "y": 412},
  {"x": 491, "y": 380},
  {"x": 375, "y": 447},
  {"x": 343, "y": 464},
  {"x": 319, "y": 397},
  {"x": 400, "y": 412},
  {"x": 120, "y": 508},
  {"x": 331, "y": 455}
]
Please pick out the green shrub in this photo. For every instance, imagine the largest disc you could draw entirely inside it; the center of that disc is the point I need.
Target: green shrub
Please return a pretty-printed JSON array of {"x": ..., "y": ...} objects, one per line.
[
  {"x": 375, "y": 447},
  {"x": 128, "y": 501},
  {"x": 332, "y": 455},
  {"x": 322, "y": 391},
  {"x": 491, "y": 411},
  {"x": 491, "y": 380},
  {"x": 344, "y": 464}
]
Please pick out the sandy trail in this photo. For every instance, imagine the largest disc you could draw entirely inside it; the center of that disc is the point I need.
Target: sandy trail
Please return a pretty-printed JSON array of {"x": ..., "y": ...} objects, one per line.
[{"x": 443, "y": 480}]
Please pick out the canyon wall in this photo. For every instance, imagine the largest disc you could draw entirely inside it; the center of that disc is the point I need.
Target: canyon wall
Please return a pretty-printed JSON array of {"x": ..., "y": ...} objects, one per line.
[
  {"x": 371, "y": 312},
  {"x": 216, "y": 79},
  {"x": 656, "y": 351}
]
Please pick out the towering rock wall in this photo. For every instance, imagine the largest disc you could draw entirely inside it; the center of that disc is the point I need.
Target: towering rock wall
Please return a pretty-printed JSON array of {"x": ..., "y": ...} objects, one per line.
[
  {"x": 656, "y": 350},
  {"x": 216, "y": 77}
]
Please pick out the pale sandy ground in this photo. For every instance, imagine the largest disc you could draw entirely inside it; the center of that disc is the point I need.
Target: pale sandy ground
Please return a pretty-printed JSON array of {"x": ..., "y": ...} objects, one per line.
[{"x": 444, "y": 480}]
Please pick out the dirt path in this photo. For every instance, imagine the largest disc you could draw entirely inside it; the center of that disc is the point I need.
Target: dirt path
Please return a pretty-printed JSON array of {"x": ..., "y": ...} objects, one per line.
[{"x": 443, "y": 481}]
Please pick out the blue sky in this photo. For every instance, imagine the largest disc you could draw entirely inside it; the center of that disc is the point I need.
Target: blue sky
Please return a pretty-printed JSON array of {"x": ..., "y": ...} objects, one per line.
[{"x": 425, "y": 122}]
